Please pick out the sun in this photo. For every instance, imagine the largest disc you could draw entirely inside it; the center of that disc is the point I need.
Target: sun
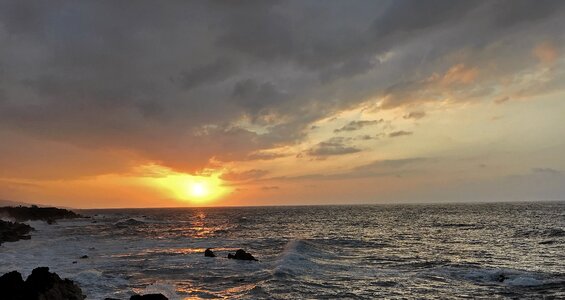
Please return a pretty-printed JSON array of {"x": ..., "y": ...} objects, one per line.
[
  {"x": 183, "y": 187},
  {"x": 198, "y": 189}
]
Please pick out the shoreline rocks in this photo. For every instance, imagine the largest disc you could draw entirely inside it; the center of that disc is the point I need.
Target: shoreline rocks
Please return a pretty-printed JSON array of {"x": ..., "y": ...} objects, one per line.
[
  {"x": 13, "y": 231},
  {"x": 41, "y": 284},
  {"x": 33, "y": 213}
]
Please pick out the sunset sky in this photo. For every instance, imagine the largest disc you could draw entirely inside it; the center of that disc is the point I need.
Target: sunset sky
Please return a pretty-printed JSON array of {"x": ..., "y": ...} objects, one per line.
[{"x": 195, "y": 103}]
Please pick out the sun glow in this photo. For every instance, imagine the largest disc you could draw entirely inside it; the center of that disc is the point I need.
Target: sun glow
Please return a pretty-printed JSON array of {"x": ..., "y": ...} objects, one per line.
[
  {"x": 198, "y": 189},
  {"x": 186, "y": 187}
]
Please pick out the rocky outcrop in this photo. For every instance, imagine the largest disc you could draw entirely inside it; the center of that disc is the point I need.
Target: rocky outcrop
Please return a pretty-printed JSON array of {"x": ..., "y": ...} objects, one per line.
[
  {"x": 242, "y": 255},
  {"x": 129, "y": 222},
  {"x": 40, "y": 285},
  {"x": 209, "y": 253},
  {"x": 149, "y": 297},
  {"x": 32, "y": 213},
  {"x": 13, "y": 231}
]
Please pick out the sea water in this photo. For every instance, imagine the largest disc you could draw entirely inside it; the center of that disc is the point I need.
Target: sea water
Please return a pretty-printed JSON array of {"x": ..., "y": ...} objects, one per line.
[{"x": 501, "y": 250}]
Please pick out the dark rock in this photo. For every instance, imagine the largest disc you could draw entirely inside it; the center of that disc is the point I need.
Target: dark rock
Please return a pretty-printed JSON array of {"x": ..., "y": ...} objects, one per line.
[
  {"x": 84, "y": 256},
  {"x": 47, "y": 214},
  {"x": 209, "y": 253},
  {"x": 149, "y": 297},
  {"x": 242, "y": 255},
  {"x": 13, "y": 231},
  {"x": 11, "y": 286},
  {"x": 111, "y": 299},
  {"x": 74, "y": 262},
  {"x": 40, "y": 285},
  {"x": 129, "y": 222},
  {"x": 549, "y": 242}
]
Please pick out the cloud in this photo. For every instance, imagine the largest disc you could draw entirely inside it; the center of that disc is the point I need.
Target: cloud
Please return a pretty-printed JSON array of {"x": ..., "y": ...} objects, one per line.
[
  {"x": 270, "y": 188},
  {"x": 547, "y": 171},
  {"x": 244, "y": 175},
  {"x": 399, "y": 133},
  {"x": 546, "y": 52},
  {"x": 265, "y": 156},
  {"x": 415, "y": 115},
  {"x": 187, "y": 84},
  {"x": 332, "y": 147},
  {"x": 219, "y": 70},
  {"x": 357, "y": 125}
]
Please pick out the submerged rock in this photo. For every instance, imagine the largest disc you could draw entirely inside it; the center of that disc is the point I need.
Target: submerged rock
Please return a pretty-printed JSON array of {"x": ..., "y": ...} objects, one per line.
[
  {"x": 40, "y": 285},
  {"x": 242, "y": 255},
  {"x": 209, "y": 253},
  {"x": 149, "y": 297},
  {"x": 13, "y": 231}
]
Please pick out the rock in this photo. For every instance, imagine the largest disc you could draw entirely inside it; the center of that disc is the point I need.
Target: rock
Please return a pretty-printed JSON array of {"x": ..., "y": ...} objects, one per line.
[
  {"x": 40, "y": 285},
  {"x": 149, "y": 297},
  {"x": 129, "y": 222},
  {"x": 84, "y": 257},
  {"x": 47, "y": 214},
  {"x": 242, "y": 255},
  {"x": 11, "y": 286},
  {"x": 13, "y": 231},
  {"x": 209, "y": 253}
]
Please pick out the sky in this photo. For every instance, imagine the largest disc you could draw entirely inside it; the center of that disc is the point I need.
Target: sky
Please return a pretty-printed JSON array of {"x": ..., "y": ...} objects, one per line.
[{"x": 220, "y": 103}]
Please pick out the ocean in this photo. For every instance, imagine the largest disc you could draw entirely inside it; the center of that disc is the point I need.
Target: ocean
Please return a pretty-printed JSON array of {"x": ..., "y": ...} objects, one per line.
[{"x": 426, "y": 251}]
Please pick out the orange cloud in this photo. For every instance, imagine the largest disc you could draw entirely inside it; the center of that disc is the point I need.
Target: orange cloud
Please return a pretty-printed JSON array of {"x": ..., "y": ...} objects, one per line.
[
  {"x": 459, "y": 74},
  {"x": 546, "y": 52}
]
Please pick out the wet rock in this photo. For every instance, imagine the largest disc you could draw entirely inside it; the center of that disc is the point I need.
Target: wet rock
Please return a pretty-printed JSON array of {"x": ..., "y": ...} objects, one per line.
[
  {"x": 242, "y": 255},
  {"x": 549, "y": 242},
  {"x": 129, "y": 222},
  {"x": 40, "y": 285},
  {"x": 11, "y": 286},
  {"x": 149, "y": 297},
  {"x": 32, "y": 213},
  {"x": 501, "y": 278},
  {"x": 209, "y": 253},
  {"x": 13, "y": 231}
]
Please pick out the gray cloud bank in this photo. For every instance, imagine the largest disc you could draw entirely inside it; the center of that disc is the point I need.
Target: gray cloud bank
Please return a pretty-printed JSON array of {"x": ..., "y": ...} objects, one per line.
[{"x": 172, "y": 81}]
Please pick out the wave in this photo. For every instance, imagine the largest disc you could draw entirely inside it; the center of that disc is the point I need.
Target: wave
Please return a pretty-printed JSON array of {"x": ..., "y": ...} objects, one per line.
[{"x": 502, "y": 276}]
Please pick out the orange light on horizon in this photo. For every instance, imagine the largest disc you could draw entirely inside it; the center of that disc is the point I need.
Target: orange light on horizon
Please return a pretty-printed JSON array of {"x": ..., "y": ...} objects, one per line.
[{"x": 187, "y": 187}]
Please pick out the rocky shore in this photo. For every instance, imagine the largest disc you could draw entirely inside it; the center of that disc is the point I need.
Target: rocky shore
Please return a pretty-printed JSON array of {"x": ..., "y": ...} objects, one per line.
[
  {"x": 34, "y": 213},
  {"x": 45, "y": 285},
  {"x": 15, "y": 231}
]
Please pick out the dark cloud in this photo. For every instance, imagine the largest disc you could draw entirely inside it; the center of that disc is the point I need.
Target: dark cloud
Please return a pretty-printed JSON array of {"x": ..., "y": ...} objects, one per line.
[
  {"x": 147, "y": 78},
  {"x": 332, "y": 147},
  {"x": 217, "y": 71},
  {"x": 399, "y": 133},
  {"x": 356, "y": 125}
]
